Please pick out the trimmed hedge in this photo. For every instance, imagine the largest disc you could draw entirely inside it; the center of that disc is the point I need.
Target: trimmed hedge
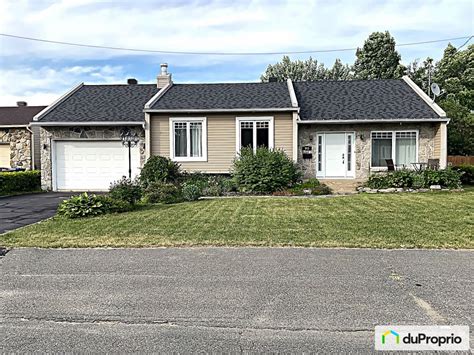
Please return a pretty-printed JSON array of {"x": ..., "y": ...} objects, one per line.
[
  {"x": 20, "y": 181},
  {"x": 467, "y": 177},
  {"x": 449, "y": 178}
]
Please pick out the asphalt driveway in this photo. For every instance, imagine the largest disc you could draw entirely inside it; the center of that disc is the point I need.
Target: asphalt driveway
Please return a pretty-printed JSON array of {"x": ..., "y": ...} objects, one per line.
[
  {"x": 225, "y": 299},
  {"x": 19, "y": 211}
]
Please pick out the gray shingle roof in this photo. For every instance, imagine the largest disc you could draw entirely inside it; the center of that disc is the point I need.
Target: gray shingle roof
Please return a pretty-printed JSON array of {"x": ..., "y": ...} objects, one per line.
[
  {"x": 102, "y": 103},
  {"x": 360, "y": 100},
  {"x": 18, "y": 115},
  {"x": 224, "y": 96}
]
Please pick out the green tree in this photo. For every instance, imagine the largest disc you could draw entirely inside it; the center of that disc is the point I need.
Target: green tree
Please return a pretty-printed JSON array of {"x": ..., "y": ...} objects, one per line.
[
  {"x": 455, "y": 75},
  {"x": 297, "y": 70},
  {"x": 306, "y": 70},
  {"x": 378, "y": 59},
  {"x": 419, "y": 72},
  {"x": 340, "y": 71}
]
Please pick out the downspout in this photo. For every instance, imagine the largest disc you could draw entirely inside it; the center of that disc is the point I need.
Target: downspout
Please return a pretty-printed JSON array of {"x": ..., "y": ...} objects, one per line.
[{"x": 32, "y": 149}]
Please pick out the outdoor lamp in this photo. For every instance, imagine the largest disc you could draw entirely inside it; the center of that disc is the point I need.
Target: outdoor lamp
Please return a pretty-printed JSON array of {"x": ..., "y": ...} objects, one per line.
[{"x": 129, "y": 139}]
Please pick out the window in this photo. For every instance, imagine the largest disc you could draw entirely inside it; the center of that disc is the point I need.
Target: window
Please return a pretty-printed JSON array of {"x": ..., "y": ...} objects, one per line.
[
  {"x": 254, "y": 132},
  {"x": 400, "y": 146},
  {"x": 188, "y": 139}
]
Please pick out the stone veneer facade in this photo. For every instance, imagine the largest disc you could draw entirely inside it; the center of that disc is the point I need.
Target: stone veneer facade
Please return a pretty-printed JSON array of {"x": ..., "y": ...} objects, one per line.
[
  {"x": 19, "y": 140},
  {"x": 307, "y": 136},
  {"x": 49, "y": 134}
]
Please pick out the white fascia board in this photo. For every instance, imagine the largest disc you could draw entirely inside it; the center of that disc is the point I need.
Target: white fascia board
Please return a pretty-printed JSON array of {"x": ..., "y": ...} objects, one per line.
[
  {"x": 82, "y": 123},
  {"x": 159, "y": 94},
  {"x": 425, "y": 97},
  {"x": 291, "y": 90},
  {"x": 287, "y": 109},
  {"x": 404, "y": 120},
  {"x": 14, "y": 126},
  {"x": 38, "y": 116}
]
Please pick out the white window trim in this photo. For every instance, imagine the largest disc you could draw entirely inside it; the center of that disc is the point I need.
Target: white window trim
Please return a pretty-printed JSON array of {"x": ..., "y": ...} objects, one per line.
[
  {"x": 172, "y": 121},
  {"x": 254, "y": 119},
  {"x": 394, "y": 149}
]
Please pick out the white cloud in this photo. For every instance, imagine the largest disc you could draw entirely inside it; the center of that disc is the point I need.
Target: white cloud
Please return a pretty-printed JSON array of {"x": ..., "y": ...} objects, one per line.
[
  {"x": 43, "y": 85},
  {"x": 217, "y": 26},
  {"x": 40, "y": 72}
]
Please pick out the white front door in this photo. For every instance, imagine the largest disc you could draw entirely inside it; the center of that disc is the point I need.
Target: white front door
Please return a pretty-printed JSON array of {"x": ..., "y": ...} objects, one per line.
[
  {"x": 91, "y": 165},
  {"x": 335, "y": 155}
]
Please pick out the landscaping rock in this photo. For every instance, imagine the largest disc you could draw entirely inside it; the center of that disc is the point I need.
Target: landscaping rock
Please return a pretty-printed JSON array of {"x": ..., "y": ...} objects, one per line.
[
  {"x": 423, "y": 190},
  {"x": 307, "y": 191},
  {"x": 399, "y": 189},
  {"x": 387, "y": 191},
  {"x": 435, "y": 187}
]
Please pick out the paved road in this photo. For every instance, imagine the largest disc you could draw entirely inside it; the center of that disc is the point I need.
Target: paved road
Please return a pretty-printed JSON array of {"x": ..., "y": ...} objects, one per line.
[
  {"x": 19, "y": 211},
  {"x": 225, "y": 299}
]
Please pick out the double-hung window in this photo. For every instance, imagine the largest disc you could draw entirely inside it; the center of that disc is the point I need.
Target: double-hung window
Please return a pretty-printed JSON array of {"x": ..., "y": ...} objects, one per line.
[
  {"x": 254, "y": 132},
  {"x": 188, "y": 138},
  {"x": 401, "y": 146}
]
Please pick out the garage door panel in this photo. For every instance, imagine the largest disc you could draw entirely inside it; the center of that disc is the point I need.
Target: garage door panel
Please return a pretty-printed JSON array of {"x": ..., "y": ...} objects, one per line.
[{"x": 92, "y": 165}]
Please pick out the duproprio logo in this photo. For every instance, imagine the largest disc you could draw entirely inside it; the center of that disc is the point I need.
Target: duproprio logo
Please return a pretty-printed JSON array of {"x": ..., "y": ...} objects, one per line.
[{"x": 395, "y": 334}]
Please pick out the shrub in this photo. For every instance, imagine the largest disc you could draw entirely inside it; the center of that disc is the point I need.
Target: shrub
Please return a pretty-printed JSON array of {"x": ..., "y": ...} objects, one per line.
[
  {"x": 210, "y": 184},
  {"x": 20, "y": 181},
  {"x": 159, "y": 169},
  {"x": 416, "y": 179},
  {"x": 88, "y": 205},
  {"x": 190, "y": 192},
  {"x": 311, "y": 184},
  {"x": 126, "y": 190},
  {"x": 265, "y": 171},
  {"x": 467, "y": 171},
  {"x": 162, "y": 192}
]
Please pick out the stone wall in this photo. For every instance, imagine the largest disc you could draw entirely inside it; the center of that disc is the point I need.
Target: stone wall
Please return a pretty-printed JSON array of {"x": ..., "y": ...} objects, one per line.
[
  {"x": 47, "y": 134},
  {"x": 20, "y": 146},
  {"x": 307, "y": 136}
]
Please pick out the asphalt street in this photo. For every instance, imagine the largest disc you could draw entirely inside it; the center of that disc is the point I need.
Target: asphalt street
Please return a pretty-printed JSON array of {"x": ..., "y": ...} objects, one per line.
[{"x": 225, "y": 299}]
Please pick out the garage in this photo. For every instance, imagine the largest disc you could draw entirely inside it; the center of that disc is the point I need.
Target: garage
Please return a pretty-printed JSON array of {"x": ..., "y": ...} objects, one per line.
[
  {"x": 4, "y": 155},
  {"x": 91, "y": 165}
]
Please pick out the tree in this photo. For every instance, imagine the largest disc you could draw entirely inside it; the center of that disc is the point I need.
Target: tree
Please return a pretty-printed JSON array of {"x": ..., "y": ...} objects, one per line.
[
  {"x": 455, "y": 75},
  {"x": 340, "y": 71},
  {"x": 308, "y": 70},
  {"x": 419, "y": 73},
  {"x": 378, "y": 59},
  {"x": 297, "y": 70}
]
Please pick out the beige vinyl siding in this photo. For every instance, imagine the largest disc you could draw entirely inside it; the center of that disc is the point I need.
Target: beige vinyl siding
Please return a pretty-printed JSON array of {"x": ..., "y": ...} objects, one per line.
[
  {"x": 437, "y": 142},
  {"x": 221, "y": 139},
  {"x": 284, "y": 133}
]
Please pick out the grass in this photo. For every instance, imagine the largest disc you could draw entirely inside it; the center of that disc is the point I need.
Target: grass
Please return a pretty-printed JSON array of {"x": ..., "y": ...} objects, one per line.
[{"x": 428, "y": 220}]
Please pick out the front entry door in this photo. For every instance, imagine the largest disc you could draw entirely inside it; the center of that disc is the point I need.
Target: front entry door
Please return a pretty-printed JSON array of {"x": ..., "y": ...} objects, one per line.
[{"x": 335, "y": 155}]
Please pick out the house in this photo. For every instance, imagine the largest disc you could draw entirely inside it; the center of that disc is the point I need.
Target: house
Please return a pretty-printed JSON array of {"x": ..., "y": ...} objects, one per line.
[
  {"x": 19, "y": 145},
  {"x": 335, "y": 130}
]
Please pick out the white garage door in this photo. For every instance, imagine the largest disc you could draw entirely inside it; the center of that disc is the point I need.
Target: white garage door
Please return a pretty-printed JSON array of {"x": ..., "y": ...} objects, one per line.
[
  {"x": 4, "y": 155},
  {"x": 92, "y": 165}
]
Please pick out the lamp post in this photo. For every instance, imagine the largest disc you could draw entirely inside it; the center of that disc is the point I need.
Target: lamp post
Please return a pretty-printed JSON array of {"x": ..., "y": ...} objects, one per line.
[{"x": 129, "y": 140}]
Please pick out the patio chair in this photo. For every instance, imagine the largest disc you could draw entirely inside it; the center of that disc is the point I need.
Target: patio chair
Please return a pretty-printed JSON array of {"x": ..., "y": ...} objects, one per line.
[
  {"x": 390, "y": 164},
  {"x": 433, "y": 164}
]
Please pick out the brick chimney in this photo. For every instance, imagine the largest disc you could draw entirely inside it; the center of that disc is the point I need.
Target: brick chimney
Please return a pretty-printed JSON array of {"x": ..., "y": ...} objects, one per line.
[{"x": 164, "y": 78}]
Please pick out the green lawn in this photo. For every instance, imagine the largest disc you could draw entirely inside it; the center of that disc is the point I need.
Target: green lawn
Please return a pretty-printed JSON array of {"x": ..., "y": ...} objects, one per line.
[{"x": 429, "y": 220}]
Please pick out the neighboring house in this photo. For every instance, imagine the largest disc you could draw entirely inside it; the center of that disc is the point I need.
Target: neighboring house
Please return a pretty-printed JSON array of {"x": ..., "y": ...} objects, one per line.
[
  {"x": 19, "y": 145},
  {"x": 334, "y": 129}
]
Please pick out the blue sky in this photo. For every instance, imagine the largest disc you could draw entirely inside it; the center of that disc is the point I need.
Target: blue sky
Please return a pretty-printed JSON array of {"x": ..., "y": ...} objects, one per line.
[{"x": 40, "y": 72}]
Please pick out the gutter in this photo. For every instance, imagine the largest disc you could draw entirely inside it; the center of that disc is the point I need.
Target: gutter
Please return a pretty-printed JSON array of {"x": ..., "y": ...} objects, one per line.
[
  {"x": 270, "y": 109},
  {"x": 82, "y": 123},
  {"x": 14, "y": 126},
  {"x": 404, "y": 120}
]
